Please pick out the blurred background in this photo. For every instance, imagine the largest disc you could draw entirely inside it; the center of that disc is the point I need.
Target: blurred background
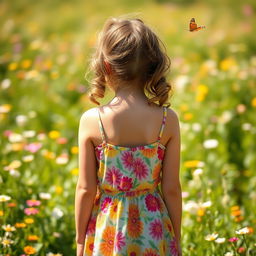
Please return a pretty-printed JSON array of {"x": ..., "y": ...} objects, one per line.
[{"x": 45, "y": 48}]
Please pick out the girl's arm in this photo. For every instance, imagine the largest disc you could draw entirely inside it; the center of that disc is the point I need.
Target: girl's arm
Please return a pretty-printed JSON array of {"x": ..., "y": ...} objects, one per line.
[
  {"x": 171, "y": 187},
  {"x": 86, "y": 187}
]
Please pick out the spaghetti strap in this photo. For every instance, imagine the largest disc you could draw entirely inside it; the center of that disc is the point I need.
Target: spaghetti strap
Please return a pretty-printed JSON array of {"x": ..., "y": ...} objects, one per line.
[
  {"x": 101, "y": 129},
  {"x": 163, "y": 124}
]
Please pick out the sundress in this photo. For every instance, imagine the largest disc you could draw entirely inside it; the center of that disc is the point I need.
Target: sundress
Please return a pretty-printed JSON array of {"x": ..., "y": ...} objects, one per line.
[{"x": 129, "y": 216}]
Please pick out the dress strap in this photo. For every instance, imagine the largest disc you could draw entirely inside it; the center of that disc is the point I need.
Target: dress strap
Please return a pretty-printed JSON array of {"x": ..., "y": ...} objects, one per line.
[
  {"x": 101, "y": 129},
  {"x": 163, "y": 123}
]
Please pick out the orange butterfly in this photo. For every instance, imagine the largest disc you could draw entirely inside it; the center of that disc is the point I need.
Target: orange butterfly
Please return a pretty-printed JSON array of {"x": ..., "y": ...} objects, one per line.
[{"x": 193, "y": 26}]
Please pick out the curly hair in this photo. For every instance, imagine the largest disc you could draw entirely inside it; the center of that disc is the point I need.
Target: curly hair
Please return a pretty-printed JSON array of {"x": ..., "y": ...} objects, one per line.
[{"x": 133, "y": 52}]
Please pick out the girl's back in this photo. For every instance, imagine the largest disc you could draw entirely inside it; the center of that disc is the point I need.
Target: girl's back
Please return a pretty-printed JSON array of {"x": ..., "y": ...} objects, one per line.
[{"x": 128, "y": 167}]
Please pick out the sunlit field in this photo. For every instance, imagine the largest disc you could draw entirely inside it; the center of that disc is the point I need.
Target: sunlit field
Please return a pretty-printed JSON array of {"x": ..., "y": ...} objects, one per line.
[{"x": 45, "y": 48}]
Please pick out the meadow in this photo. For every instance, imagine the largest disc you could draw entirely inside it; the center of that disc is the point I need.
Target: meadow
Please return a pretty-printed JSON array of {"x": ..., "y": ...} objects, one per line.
[{"x": 45, "y": 47}]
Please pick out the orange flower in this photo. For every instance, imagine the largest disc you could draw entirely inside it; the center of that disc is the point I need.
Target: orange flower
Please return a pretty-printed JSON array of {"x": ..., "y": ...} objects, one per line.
[
  {"x": 20, "y": 225},
  {"x": 156, "y": 172},
  {"x": 29, "y": 250},
  {"x": 236, "y": 213},
  {"x": 149, "y": 152},
  {"x": 107, "y": 246},
  {"x": 135, "y": 225},
  {"x": 89, "y": 244},
  {"x": 150, "y": 252},
  {"x": 32, "y": 238}
]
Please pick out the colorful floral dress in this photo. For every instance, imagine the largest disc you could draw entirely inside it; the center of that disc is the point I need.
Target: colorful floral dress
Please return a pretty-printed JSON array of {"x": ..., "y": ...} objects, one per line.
[{"x": 129, "y": 216}]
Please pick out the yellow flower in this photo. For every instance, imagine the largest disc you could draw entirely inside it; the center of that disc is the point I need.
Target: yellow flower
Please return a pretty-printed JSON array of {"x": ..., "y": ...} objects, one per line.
[
  {"x": 13, "y": 66},
  {"x": 32, "y": 238},
  {"x": 26, "y": 63},
  {"x": 254, "y": 102},
  {"x": 5, "y": 108},
  {"x": 101, "y": 220},
  {"x": 202, "y": 92},
  {"x": 29, "y": 220},
  {"x": 115, "y": 209},
  {"x": 192, "y": 163},
  {"x": 58, "y": 189},
  {"x": 227, "y": 63},
  {"x": 133, "y": 249},
  {"x": 74, "y": 171},
  {"x": 29, "y": 250},
  {"x": 1, "y": 213},
  {"x": 101, "y": 169},
  {"x": 74, "y": 150},
  {"x": 235, "y": 208},
  {"x": 188, "y": 116},
  {"x": 54, "y": 134},
  {"x": 111, "y": 152},
  {"x": 201, "y": 212}
]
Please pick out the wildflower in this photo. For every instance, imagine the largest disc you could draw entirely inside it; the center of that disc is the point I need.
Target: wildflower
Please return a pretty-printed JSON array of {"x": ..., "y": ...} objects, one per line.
[
  {"x": 57, "y": 213},
  {"x": 211, "y": 237},
  {"x": 4, "y": 198},
  {"x": 54, "y": 134},
  {"x": 29, "y": 220},
  {"x": 210, "y": 143},
  {"x": 20, "y": 225},
  {"x": 62, "y": 159},
  {"x": 228, "y": 254},
  {"x": 6, "y": 242},
  {"x": 243, "y": 231},
  {"x": 33, "y": 202},
  {"x": 220, "y": 240},
  {"x": 45, "y": 196},
  {"x": 29, "y": 250},
  {"x": 31, "y": 211},
  {"x": 233, "y": 239},
  {"x": 32, "y": 238},
  {"x": 241, "y": 249}
]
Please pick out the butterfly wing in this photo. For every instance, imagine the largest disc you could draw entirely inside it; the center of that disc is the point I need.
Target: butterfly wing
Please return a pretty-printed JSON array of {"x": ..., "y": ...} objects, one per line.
[{"x": 192, "y": 25}]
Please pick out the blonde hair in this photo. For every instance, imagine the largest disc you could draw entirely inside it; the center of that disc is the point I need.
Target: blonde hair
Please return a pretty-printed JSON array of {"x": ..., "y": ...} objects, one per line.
[{"x": 133, "y": 52}]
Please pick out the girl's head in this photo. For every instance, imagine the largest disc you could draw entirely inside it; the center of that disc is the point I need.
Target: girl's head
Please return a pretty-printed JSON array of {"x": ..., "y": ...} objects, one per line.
[{"x": 128, "y": 52}]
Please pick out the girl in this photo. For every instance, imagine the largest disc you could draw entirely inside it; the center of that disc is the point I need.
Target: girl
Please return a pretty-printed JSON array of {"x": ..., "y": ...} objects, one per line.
[{"x": 128, "y": 195}]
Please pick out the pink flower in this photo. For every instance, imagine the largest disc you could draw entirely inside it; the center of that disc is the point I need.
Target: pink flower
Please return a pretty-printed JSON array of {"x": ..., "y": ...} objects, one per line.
[
  {"x": 33, "y": 202},
  {"x": 233, "y": 239},
  {"x": 113, "y": 176},
  {"x": 31, "y": 211},
  {"x": 173, "y": 247},
  {"x": 33, "y": 147},
  {"x": 151, "y": 203},
  {"x": 105, "y": 204},
  {"x": 156, "y": 229},
  {"x": 125, "y": 184},
  {"x": 140, "y": 169},
  {"x": 62, "y": 140},
  {"x": 127, "y": 159},
  {"x": 119, "y": 241},
  {"x": 160, "y": 153},
  {"x": 241, "y": 249},
  {"x": 91, "y": 226}
]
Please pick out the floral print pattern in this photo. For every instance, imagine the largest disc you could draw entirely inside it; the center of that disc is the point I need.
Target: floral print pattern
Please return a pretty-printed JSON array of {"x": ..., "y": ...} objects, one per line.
[{"x": 129, "y": 215}]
